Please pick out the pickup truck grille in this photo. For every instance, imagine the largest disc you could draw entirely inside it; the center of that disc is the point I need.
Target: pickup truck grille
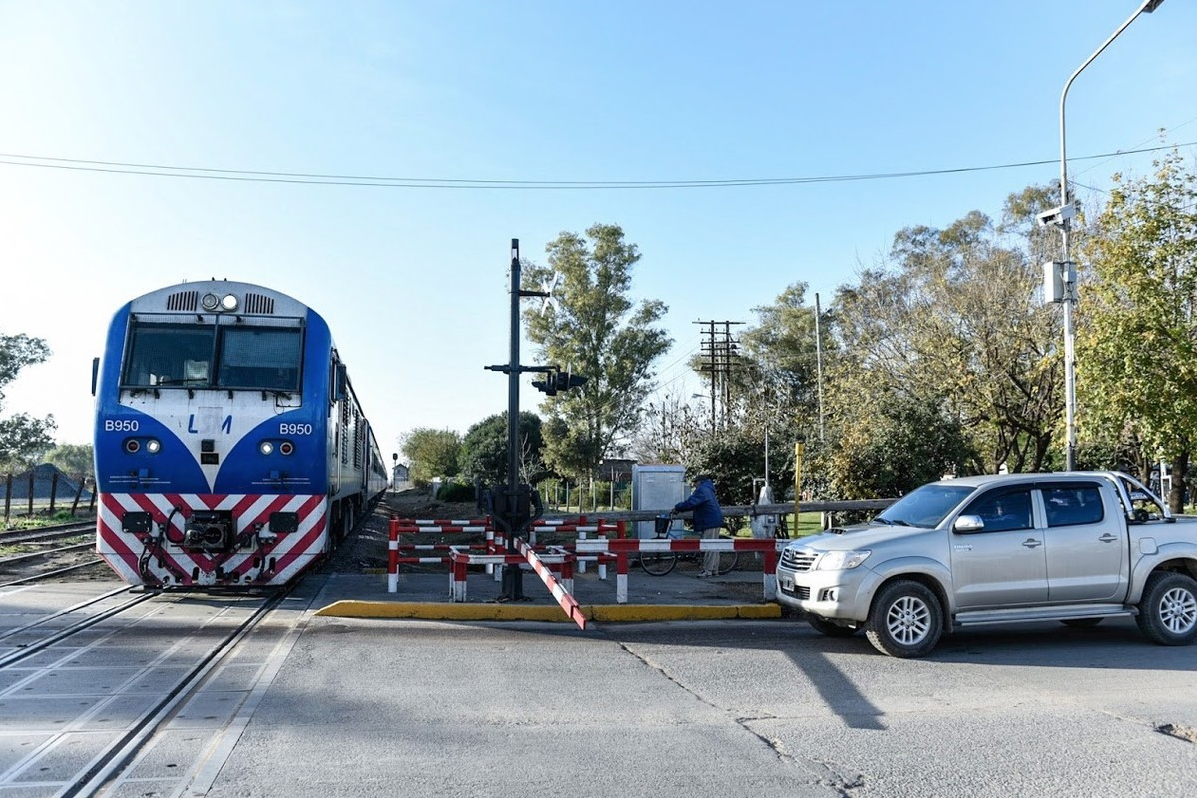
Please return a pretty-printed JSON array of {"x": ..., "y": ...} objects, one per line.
[
  {"x": 797, "y": 560},
  {"x": 800, "y": 592}
]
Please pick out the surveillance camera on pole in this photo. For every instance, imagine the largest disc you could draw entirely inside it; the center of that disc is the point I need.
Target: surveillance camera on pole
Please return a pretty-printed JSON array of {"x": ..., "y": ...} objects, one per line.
[{"x": 1056, "y": 217}]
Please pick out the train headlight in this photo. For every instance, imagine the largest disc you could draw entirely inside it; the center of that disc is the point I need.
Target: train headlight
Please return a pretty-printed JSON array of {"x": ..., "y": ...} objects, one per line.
[
  {"x": 132, "y": 445},
  {"x": 265, "y": 447},
  {"x": 228, "y": 302},
  {"x": 153, "y": 446},
  {"x": 286, "y": 448},
  {"x": 210, "y": 302}
]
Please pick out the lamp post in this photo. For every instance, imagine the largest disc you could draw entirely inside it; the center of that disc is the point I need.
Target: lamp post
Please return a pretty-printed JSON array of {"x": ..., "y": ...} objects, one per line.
[{"x": 1061, "y": 217}]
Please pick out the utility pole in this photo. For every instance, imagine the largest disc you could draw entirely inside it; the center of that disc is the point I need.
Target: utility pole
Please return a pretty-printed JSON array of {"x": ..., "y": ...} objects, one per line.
[
  {"x": 719, "y": 349},
  {"x": 819, "y": 363},
  {"x": 516, "y": 505}
]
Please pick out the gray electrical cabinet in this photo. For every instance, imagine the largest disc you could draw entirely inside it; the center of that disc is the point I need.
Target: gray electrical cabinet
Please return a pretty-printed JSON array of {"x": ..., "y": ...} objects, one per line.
[{"x": 657, "y": 488}]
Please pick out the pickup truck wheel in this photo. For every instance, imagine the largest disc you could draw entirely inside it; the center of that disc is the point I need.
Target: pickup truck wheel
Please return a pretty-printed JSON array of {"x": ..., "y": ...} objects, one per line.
[
  {"x": 906, "y": 620},
  {"x": 1168, "y": 611},
  {"x": 826, "y": 627}
]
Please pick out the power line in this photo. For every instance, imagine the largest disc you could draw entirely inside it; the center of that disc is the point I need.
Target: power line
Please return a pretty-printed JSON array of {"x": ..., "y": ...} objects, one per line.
[{"x": 252, "y": 176}]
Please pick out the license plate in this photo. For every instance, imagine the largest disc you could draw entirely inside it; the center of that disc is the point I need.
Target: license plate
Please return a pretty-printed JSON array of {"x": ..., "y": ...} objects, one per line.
[{"x": 786, "y": 583}]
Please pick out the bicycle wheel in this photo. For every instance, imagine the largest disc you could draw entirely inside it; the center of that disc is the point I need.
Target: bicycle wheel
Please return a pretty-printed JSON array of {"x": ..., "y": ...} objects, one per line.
[
  {"x": 657, "y": 563},
  {"x": 727, "y": 559}
]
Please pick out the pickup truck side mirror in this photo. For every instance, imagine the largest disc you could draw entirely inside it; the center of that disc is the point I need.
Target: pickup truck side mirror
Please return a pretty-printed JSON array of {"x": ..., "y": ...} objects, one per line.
[{"x": 968, "y": 523}]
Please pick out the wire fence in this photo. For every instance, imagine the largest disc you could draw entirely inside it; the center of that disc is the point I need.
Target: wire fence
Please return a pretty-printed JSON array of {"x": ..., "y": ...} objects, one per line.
[{"x": 46, "y": 490}]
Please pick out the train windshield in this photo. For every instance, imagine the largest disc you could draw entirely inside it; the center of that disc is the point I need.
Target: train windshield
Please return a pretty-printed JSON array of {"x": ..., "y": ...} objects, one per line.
[
  {"x": 170, "y": 354},
  {"x": 259, "y": 357},
  {"x": 183, "y": 355}
]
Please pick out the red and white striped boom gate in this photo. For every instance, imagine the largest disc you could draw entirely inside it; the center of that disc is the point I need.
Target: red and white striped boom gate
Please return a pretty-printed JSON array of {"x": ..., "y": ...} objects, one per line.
[
  {"x": 493, "y": 553},
  {"x": 623, "y": 548}
]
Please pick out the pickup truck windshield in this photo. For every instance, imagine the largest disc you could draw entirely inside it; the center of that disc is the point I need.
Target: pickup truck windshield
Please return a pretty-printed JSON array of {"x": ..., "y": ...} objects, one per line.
[{"x": 925, "y": 506}]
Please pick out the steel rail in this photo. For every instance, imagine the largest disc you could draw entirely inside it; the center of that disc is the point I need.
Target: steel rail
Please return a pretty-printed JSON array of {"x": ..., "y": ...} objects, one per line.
[
  {"x": 67, "y": 611},
  {"x": 33, "y": 648},
  {"x": 109, "y": 762},
  {"x": 47, "y": 574},
  {"x": 31, "y": 555}
]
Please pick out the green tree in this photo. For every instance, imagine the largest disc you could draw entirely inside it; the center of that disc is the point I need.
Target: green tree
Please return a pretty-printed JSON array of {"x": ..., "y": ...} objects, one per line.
[
  {"x": 73, "y": 458},
  {"x": 593, "y": 329},
  {"x": 891, "y": 449},
  {"x": 780, "y": 354},
  {"x": 432, "y": 453},
  {"x": 1137, "y": 337},
  {"x": 23, "y": 438},
  {"x": 954, "y": 320},
  {"x": 484, "y": 450}
]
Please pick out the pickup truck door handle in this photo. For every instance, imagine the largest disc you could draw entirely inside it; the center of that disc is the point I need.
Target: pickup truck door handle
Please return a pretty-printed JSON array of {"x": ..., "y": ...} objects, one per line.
[
  {"x": 1031, "y": 543},
  {"x": 1108, "y": 538}
]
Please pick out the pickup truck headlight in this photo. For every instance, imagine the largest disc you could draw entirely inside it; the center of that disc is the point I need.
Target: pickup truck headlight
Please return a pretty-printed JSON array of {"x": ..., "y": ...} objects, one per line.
[{"x": 841, "y": 560}]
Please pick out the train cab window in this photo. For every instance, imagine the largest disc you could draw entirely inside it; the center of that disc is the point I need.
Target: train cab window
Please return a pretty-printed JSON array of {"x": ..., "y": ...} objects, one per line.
[
  {"x": 169, "y": 355},
  {"x": 265, "y": 358}
]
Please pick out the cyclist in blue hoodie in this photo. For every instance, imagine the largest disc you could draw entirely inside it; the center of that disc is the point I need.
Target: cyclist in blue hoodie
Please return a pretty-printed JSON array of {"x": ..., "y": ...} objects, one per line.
[{"x": 708, "y": 518}]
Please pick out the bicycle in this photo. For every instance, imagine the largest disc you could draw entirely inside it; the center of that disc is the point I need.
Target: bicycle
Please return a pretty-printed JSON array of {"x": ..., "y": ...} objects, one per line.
[{"x": 659, "y": 563}]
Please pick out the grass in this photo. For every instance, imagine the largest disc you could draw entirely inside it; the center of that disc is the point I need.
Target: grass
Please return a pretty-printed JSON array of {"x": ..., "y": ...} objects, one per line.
[{"x": 42, "y": 518}]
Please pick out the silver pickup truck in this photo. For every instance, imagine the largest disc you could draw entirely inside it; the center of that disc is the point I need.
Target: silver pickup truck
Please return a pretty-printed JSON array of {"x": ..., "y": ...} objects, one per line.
[{"x": 1073, "y": 547}]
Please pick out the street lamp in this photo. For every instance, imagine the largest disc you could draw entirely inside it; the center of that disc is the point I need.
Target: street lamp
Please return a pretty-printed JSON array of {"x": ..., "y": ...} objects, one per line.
[{"x": 1061, "y": 217}]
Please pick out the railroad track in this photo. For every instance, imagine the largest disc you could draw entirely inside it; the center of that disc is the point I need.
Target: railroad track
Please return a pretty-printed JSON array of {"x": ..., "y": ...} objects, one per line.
[
  {"x": 154, "y": 650},
  {"x": 37, "y": 557},
  {"x": 18, "y": 537}
]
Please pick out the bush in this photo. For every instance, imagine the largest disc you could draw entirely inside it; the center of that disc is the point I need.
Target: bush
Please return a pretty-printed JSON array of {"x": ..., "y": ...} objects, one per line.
[{"x": 455, "y": 492}]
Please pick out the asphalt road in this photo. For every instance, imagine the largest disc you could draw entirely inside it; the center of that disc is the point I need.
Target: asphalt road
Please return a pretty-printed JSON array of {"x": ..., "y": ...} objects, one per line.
[{"x": 726, "y": 708}]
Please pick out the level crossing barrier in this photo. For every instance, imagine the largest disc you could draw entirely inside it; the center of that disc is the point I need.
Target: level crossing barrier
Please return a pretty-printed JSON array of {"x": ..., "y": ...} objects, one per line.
[
  {"x": 623, "y": 548},
  {"x": 400, "y": 553}
]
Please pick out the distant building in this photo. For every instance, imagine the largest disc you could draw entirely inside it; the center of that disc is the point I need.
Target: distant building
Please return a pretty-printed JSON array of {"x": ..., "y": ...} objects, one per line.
[{"x": 400, "y": 477}]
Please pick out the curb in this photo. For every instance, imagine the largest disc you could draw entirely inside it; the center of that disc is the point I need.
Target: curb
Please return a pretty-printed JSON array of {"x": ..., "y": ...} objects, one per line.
[{"x": 514, "y": 612}]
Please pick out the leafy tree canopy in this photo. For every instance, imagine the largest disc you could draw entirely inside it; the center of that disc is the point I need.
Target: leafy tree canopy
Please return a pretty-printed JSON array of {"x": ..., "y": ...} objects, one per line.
[
  {"x": 23, "y": 438},
  {"x": 432, "y": 453},
  {"x": 1136, "y": 348},
  {"x": 484, "y": 450},
  {"x": 73, "y": 459},
  {"x": 593, "y": 329}
]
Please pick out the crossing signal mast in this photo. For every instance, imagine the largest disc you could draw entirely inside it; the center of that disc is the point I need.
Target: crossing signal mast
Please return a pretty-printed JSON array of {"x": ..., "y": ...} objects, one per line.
[{"x": 516, "y": 505}]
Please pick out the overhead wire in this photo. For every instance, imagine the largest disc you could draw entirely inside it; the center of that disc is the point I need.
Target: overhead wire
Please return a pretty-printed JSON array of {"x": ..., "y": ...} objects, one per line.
[{"x": 309, "y": 178}]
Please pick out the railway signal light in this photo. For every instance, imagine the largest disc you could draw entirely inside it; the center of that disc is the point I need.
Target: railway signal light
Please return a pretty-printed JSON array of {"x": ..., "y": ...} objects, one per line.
[{"x": 554, "y": 381}]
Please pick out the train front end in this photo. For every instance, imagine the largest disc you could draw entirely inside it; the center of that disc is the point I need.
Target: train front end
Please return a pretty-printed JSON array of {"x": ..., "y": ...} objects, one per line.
[{"x": 211, "y": 438}]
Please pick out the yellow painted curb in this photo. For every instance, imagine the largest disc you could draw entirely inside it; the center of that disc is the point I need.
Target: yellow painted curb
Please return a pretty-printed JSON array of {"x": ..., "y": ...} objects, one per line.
[{"x": 522, "y": 612}]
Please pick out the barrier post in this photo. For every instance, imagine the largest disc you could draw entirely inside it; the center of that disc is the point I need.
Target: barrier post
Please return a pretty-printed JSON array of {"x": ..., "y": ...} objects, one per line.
[
  {"x": 621, "y": 578},
  {"x": 393, "y": 556},
  {"x": 770, "y": 574},
  {"x": 582, "y": 536},
  {"x": 460, "y": 569}
]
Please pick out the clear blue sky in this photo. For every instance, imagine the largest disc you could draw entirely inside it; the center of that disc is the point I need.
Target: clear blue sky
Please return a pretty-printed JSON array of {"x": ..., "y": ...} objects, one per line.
[{"x": 413, "y": 280}]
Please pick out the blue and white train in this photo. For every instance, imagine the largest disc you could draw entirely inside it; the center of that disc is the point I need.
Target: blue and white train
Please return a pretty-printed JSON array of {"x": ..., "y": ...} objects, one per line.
[{"x": 231, "y": 450}]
